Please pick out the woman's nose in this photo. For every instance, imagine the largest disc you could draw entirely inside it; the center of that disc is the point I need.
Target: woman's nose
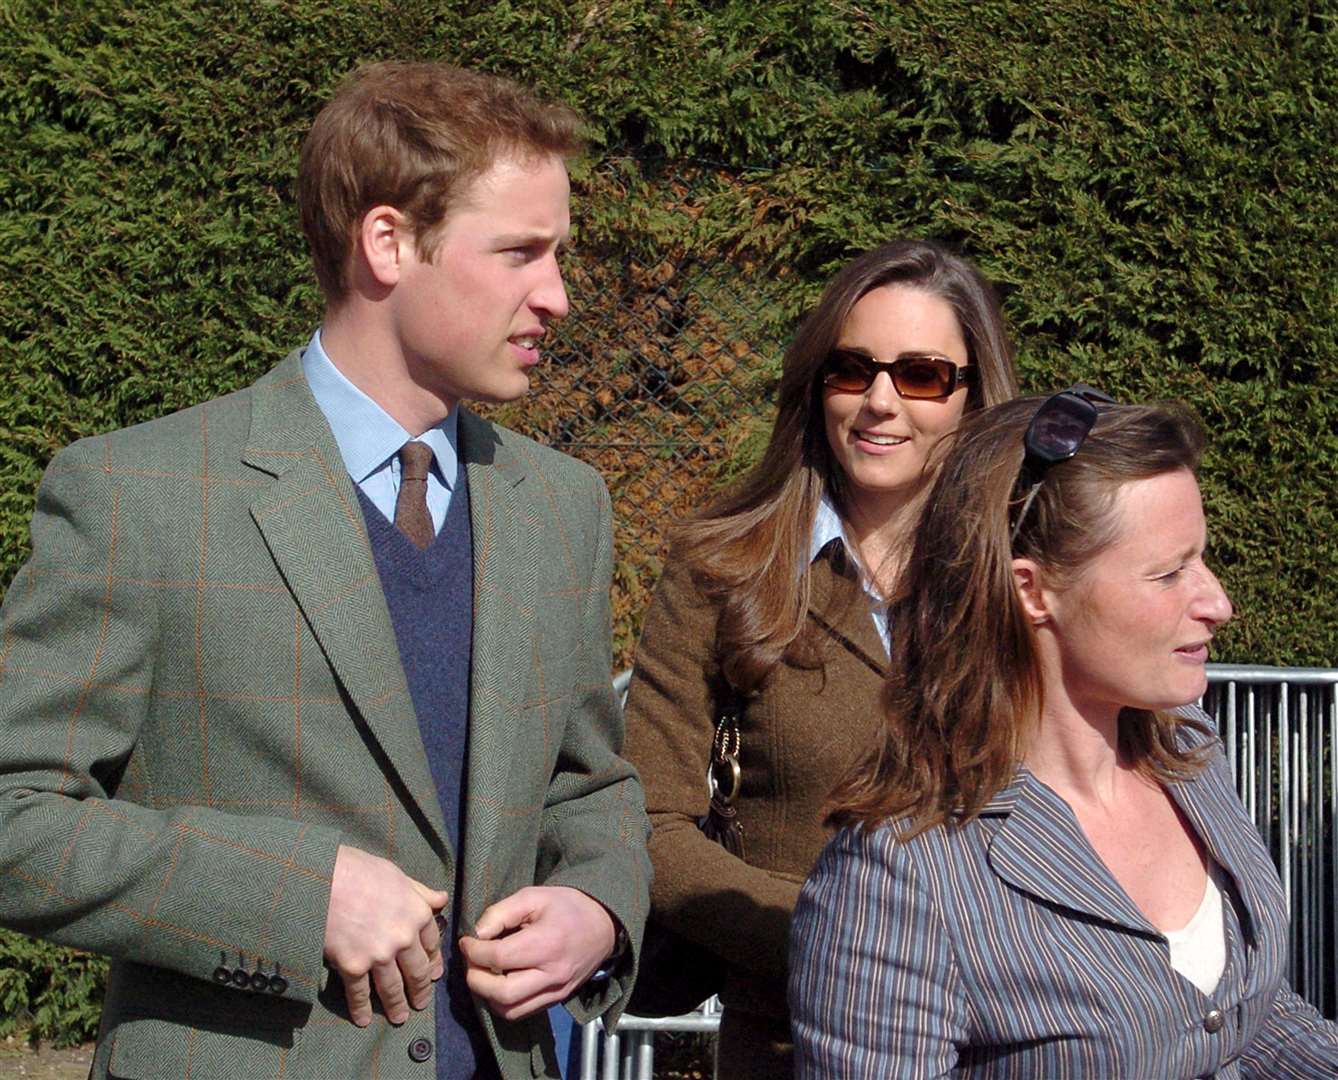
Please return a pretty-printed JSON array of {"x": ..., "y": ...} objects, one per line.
[
  {"x": 882, "y": 396},
  {"x": 1214, "y": 605}
]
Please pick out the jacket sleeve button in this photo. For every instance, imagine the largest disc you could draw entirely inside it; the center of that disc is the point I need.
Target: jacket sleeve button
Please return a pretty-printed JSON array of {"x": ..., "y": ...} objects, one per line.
[
  {"x": 241, "y": 979},
  {"x": 222, "y": 975},
  {"x": 1213, "y": 1021},
  {"x": 420, "y": 1049},
  {"x": 259, "y": 980},
  {"x": 277, "y": 984}
]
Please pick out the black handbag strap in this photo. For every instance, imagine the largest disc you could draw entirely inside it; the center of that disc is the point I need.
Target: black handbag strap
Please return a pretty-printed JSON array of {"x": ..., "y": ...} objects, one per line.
[{"x": 724, "y": 777}]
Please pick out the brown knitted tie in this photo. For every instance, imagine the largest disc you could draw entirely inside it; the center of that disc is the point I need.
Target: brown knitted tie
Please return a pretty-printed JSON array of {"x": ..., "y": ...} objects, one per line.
[{"x": 411, "y": 514}]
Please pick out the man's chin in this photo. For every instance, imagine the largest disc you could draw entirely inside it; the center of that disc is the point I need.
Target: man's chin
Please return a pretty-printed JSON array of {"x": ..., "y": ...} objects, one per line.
[
  {"x": 511, "y": 388},
  {"x": 500, "y": 395}
]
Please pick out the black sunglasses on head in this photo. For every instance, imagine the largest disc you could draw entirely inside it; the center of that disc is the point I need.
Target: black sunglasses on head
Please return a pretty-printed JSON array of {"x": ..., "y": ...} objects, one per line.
[
  {"x": 1056, "y": 433},
  {"x": 924, "y": 378}
]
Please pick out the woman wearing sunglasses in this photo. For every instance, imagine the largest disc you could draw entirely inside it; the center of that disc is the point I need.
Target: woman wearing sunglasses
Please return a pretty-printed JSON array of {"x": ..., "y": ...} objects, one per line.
[
  {"x": 772, "y": 605},
  {"x": 1042, "y": 868}
]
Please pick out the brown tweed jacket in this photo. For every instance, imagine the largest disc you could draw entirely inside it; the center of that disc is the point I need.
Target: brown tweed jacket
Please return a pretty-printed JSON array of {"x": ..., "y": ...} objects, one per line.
[
  {"x": 201, "y": 697},
  {"x": 799, "y": 735}
]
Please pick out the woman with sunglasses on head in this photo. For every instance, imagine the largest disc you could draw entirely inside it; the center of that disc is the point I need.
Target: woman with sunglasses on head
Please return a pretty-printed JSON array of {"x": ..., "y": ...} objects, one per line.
[
  {"x": 772, "y": 607},
  {"x": 1042, "y": 868}
]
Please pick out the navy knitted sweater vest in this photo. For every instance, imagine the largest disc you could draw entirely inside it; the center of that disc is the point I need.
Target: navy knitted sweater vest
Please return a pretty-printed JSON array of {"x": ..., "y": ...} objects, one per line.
[{"x": 430, "y": 595}]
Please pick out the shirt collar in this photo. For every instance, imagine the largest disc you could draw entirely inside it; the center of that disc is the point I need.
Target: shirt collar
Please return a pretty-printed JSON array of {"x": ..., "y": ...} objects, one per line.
[
  {"x": 826, "y": 528},
  {"x": 366, "y": 434}
]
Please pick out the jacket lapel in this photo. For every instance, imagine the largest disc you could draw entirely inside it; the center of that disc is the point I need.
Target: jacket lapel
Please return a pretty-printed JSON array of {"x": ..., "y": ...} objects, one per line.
[
  {"x": 832, "y": 595},
  {"x": 312, "y": 524},
  {"x": 1040, "y": 848},
  {"x": 507, "y": 544},
  {"x": 1210, "y": 803}
]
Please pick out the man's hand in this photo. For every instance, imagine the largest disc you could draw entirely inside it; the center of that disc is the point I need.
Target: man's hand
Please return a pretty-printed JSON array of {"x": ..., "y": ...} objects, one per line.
[
  {"x": 382, "y": 923},
  {"x": 560, "y": 937}
]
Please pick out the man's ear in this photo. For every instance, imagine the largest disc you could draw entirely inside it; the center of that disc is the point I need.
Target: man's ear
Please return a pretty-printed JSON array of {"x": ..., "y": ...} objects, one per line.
[
  {"x": 383, "y": 242},
  {"x": 1028, "y": 579}
]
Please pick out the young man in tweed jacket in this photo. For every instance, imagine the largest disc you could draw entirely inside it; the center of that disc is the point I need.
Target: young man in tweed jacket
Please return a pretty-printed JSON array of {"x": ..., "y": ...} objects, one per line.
[{"x": 313, "y": 737}]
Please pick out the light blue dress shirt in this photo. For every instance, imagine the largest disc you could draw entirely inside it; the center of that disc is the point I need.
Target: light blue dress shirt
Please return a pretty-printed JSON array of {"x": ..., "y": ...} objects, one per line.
[
  {"x": 369, "y": 440},
  {"x": 827, "y": 526}
]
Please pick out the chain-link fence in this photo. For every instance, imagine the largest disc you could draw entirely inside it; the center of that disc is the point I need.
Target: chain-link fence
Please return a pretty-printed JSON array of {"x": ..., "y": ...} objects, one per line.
[{"x": 660, "y": 375}]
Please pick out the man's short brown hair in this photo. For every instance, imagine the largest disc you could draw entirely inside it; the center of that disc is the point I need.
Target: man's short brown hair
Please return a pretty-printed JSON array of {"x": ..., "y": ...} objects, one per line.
[{"x": 410, "y": 135}]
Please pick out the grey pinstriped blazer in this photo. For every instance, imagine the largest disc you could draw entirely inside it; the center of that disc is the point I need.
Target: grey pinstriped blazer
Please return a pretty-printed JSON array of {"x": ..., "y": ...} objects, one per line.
[{"x": 1006, "y": 949}]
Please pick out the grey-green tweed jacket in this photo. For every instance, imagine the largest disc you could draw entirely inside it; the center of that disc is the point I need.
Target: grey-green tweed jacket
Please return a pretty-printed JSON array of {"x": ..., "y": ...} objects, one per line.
[{"x": 201, "y": 698}]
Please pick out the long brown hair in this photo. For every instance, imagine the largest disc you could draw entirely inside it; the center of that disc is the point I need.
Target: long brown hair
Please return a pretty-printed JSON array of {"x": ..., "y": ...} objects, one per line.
[
  {"x": 749, "y": 548},
  {"x": 964, "y": 691}
]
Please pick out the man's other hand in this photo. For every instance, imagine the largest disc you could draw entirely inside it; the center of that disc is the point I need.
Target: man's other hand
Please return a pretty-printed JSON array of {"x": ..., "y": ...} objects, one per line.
[
  {"x": 381, "y": 930},
  {"x": 536, "y": 947}
]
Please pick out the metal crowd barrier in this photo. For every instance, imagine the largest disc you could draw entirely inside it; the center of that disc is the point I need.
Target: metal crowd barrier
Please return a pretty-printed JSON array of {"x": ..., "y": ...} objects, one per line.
[
  {"x": 629, "y": 1052},
  {"x": 1280, "y": 728}
]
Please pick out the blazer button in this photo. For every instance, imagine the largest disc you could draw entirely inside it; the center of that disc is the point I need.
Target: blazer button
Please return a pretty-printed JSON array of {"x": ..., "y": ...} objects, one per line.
[
  {"x": 277, "y": 984},
  {"x": 222, "y": 975},
  {"x": 259, "y": 980},
  {"x": 1213, "y": 1020},
  {"x": 241, "y": 979},
  {"x": 420, "y": 1049}
]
